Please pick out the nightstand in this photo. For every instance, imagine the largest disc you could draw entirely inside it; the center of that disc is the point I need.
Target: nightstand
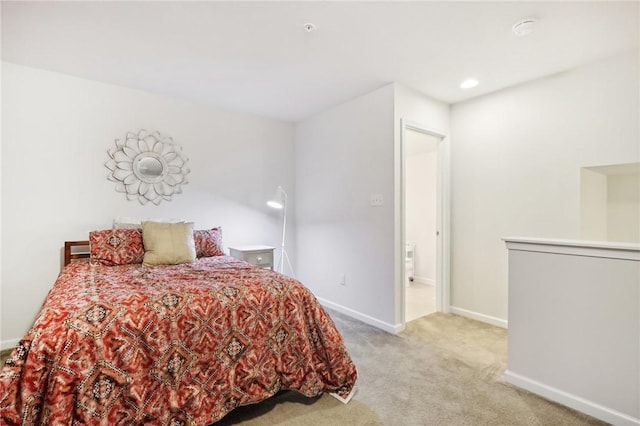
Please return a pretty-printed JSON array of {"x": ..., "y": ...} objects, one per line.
[{"x": 256, "y": 255}]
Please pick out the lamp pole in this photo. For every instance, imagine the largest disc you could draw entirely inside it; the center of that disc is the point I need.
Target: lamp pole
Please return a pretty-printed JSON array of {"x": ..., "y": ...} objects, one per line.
[
  {"x": 283, "y": 252},
  {"x": 284, "y": 228}
]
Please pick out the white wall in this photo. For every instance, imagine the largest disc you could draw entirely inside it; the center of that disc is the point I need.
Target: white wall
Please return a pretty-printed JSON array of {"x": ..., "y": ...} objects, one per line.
[
  {"x": 623, "y": 207},
  {"x": 516, "y": 159},
  {"x": 610, "y": 203},
  {"x": 344, "y": 155},
  {"x": 593, "y": 205},
  {"x": 574, "y": 324},
  {"x": 55, "y": 135},
  {"x": 414, "y": 107}
]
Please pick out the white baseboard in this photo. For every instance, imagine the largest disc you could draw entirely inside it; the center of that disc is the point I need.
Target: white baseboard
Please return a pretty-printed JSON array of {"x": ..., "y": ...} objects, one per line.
[
  {"x": 8, "y": 344},
  {"x": 389, "y": 328},
  {"x": 573, "y": 401},
  {"x": 479, "y": 317}
]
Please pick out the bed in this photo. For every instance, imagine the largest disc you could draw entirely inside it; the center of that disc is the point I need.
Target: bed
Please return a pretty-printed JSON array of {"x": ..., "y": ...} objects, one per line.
[{"x": 169, "y": 345}]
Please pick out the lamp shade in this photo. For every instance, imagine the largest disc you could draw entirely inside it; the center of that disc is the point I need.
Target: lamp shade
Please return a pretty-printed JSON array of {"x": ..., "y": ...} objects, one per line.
[{"x": 278, "y": 200}]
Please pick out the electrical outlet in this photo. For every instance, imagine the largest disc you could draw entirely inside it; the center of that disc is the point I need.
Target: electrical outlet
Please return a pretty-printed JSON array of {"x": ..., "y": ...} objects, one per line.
[
  {"x": 342, "y": 279},
  {"x": 376, "y": 200}
]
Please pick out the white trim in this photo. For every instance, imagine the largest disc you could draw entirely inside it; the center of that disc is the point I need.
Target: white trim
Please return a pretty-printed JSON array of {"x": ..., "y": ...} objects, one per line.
[
  {"x": 442, "y": 216},
  {"x": 499, "y": 322},
  {"x": 606, "y": 249},
  {"x": 577, "y": 403},
  {"x": 389, "y": 328},
  {"x": 8, "y": 344}
]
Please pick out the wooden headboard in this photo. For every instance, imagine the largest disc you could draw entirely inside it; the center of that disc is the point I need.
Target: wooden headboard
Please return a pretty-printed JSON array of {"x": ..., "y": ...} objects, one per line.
[{"x": 71, "y": 254}]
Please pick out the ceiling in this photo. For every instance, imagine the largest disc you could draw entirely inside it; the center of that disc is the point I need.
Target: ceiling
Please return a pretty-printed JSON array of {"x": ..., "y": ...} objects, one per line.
[{"x": 257, "y": 57}]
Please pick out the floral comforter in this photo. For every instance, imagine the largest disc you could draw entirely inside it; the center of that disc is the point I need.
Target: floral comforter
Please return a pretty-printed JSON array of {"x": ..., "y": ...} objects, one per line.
[{"x": 170, "y": 345}]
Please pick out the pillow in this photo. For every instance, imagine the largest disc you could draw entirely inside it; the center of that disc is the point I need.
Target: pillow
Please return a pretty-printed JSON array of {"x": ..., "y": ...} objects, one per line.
[
  {"x": 127, "y": 223},
  {"x": 115, "y": 247},
  {"x": 168, "y": 243},
  {"x": 208, "y": 242},
  {"x": 124, "y": 222}
]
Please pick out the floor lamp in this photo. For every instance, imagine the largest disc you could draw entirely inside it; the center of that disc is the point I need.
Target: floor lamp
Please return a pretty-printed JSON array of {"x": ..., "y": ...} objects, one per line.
[{"x": 279, "y": 201}]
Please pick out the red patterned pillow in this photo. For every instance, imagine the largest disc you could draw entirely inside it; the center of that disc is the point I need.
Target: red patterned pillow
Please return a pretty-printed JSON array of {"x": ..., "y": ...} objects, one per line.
[
  {"x": 209, "y": 242},
  {"x": 116, "y": 247}
]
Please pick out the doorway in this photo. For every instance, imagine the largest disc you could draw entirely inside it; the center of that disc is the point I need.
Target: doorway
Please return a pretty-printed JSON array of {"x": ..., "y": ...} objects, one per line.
[{"x": 422, "y": 221}]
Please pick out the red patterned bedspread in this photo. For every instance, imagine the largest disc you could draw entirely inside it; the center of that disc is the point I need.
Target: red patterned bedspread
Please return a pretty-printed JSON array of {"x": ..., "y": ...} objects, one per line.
[{"x": 170, "y": 345}]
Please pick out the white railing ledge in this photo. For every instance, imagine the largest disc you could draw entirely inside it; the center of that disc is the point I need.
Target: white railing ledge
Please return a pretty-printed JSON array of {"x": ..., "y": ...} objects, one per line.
[{"x": 606, "y": 249}]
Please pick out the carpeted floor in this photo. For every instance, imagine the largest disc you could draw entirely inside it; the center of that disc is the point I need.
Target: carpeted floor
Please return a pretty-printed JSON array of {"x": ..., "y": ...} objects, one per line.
[
  {"x": 442, "y": 370},
  {"x": 292, "y": 409}
]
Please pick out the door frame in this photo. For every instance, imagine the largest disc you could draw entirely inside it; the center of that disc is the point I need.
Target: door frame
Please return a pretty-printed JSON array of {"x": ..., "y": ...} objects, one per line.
[{"x": 442, "y": 216}]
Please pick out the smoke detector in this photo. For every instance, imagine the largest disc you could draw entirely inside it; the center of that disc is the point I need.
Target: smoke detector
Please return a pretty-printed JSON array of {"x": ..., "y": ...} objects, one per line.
[
  {"x": 309, "y": 27},
  {"x": 523, "y": 27}
]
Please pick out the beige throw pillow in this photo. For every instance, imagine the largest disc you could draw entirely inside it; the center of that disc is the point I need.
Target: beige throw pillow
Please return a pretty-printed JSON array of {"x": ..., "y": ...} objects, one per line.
[{"x": 168, "y": 243}]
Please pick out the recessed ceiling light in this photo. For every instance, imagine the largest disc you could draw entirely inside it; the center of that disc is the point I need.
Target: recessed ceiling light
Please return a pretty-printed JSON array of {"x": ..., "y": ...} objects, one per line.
[
  {"x": 469, "y": 83},
  {"x": 523, "y": 27}
]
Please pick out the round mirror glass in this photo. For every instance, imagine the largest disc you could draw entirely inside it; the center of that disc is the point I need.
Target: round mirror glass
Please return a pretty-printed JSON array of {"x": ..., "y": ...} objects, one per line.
[{"x": 150, "y": 167}]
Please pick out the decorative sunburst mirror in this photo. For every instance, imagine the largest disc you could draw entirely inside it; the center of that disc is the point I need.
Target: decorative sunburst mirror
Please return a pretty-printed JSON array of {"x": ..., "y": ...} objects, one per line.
[{"x": 147, "y": 167}]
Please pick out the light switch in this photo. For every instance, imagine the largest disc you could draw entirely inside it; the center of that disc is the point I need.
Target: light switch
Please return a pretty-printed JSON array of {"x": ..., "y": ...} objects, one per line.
[{"x": 377, "y": 200}]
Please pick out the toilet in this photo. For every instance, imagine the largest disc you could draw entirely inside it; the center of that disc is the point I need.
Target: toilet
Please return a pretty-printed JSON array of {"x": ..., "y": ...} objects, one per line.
[{"x": 409, "y": 262}]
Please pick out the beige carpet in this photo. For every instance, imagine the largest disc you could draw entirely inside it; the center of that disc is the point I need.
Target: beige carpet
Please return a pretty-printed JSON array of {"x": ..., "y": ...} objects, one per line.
[
  {"x": 292, "y": 409},
  {"x": 443, "y": 370}
]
